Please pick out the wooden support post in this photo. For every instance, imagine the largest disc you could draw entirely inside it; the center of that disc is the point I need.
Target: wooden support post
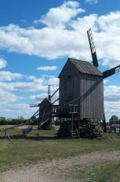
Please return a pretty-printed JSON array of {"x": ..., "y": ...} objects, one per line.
[
  {"x": 72, "y": 125},
  {"x": 5, "y": 132}
]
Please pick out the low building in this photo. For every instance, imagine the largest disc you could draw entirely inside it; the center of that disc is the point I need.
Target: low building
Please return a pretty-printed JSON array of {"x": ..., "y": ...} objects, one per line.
[{"x": 115, "y": 128}]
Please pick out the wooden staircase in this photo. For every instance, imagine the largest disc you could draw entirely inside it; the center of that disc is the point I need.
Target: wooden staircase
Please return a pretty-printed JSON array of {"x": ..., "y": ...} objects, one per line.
[
  {"x": 43, "y": 122},
  {"x": 75, "y": 133}
]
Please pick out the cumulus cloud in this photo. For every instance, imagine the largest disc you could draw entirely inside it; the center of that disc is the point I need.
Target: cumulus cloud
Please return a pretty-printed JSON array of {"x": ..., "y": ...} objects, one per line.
[
  {"x": 112, "y": 100},
  {"x": 58, "y": 17},
  {"x": 19, "y": 109},
  {"x": 3, "y": 63},
  {"x": 31, "y": 77},
  {"x": 11, "y": 101},
  {"x": 28, "y": 86},
  {"x": 53, "y": 81},
  {"x": 23, "y": 86},
  {"x": 8, "y": 100},
  {"x": 47, "y": 68},
  {"x": 6, "y": 97},
  {"x": 112, "y": 93},
  {"x": 9, "y": 76},
  {"x": 52, "y": 42},
  {"x": 112, "y": 108},
  {"x": 37, "y": 84},
  {"x": 39, "y": 97},
  {"x": 63, "y": 34}
]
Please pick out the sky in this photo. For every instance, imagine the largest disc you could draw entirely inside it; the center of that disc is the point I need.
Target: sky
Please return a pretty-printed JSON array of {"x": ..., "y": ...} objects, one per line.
[{"x": 37, "y": 37}]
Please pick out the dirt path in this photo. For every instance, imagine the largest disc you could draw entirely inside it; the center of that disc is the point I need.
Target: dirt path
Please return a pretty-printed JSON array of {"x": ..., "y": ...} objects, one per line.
[{"x": 53, "y": 170}]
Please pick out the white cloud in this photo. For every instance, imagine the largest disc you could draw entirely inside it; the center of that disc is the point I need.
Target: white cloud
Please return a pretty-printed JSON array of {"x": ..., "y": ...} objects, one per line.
[
  {"x": 58, "y": 17},
  {"x": 8, "y": 101},
  {"x": 37, "y": 84},
  {"x": 7, "y": 97},
  {"x": 19, "y": 109},
  {"x": 47, "y": 68},
  {"x": 39, "y": 97},
  {"x": 112, "y": 108},
  {"x": 31, "y": 77},
  {"x": 112, "y": 100},
  {"x": 46, "y": 42},
  {"x": 3, "y": 63},
  {"x": 65, "y": 42},
  {"x": 9, "y": 76},
  {"x": 53, "y": 81},
  {"x": 69, "y": 40},
  {"x": 112, "y": 93},
  {"x": 91, "y": 1},
  {"x": 106, "y": 81},
  {"x": 28, "y": 86},
  {"x": 63, "y": 34},
  {"x": 12, "y": 102},
  {"x": 109, "y": 21}
]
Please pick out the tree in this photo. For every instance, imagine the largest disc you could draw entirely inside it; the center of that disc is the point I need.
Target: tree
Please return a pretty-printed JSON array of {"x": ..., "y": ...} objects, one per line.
[
  {"x": 114, "y": 119},
  {"x": 3, "y": 121}
]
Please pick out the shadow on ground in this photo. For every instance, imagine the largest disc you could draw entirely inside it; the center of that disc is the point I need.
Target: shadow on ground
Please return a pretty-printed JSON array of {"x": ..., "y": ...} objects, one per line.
[{"x": 19, "y": 137}]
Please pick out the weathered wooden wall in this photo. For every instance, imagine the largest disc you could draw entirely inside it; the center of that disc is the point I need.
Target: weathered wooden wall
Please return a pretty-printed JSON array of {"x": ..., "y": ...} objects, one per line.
[
  {"x": 44, "y": 109},
  {"x": 83, "y": 89},
  {"x": 91, "y": 97},
  {"x": 69, "y": 85}
]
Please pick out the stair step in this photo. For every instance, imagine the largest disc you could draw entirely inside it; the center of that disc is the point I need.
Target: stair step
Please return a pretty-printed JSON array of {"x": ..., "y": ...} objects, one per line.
[{"x": 75, "y": 134}]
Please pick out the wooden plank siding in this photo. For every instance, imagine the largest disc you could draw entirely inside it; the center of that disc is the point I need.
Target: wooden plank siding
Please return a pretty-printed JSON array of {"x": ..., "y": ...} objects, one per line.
[
  {"x": 45, "y": 109},
  {"x": 86, "y": 90},
  {"x": 91, "y": 96},
  {"x": 69, "y": 85}
]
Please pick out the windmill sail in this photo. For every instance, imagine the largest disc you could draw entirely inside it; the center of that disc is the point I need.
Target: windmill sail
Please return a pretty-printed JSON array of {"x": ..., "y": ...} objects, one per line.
[
  {"x": 111, "y": 71},
  {"x": 92, "y": 48}
]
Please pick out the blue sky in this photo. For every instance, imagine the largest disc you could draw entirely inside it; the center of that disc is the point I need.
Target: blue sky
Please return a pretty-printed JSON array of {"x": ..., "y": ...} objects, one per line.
[{"x": 37, "y": 37}]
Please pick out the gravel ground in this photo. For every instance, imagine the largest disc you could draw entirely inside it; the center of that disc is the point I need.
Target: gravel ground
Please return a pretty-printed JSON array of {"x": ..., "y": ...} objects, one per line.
[{"x": 54, "y": 171}]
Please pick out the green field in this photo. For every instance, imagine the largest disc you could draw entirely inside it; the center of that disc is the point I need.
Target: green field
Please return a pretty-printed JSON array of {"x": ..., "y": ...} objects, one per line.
[{"x": 44, "y": 146}]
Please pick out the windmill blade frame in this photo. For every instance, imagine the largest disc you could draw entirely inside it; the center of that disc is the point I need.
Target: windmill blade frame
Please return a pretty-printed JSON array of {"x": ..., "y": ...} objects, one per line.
[
  {"x": 111, "y": 71},
  {"x": 92, "y": 48}
]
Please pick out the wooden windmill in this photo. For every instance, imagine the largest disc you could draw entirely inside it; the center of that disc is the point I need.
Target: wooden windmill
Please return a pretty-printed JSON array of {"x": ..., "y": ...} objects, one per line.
[
  {"x": 81, "y": 95},
  {"x": 81, "y": 83}
]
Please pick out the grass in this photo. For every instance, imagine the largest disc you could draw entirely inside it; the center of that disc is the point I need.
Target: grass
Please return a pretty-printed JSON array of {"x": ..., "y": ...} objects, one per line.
[
  {"x": 105, "y": 172},
  {"x": 43, "y": 145}
]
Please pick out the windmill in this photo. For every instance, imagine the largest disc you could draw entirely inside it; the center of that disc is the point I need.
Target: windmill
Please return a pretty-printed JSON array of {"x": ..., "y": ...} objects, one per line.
[
  {"x": 106, "y": 73},
  {"x": 80, "y": 97}
]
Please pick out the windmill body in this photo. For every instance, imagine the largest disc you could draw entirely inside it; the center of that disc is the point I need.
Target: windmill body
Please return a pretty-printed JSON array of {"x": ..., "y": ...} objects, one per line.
[
  {"x": 45, "y": 108},
  {"x": 81, "y": 83}
]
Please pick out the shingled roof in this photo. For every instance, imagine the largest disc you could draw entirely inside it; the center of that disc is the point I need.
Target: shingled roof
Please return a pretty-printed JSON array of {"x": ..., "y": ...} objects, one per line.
[{"x": 84, "y": 67}]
